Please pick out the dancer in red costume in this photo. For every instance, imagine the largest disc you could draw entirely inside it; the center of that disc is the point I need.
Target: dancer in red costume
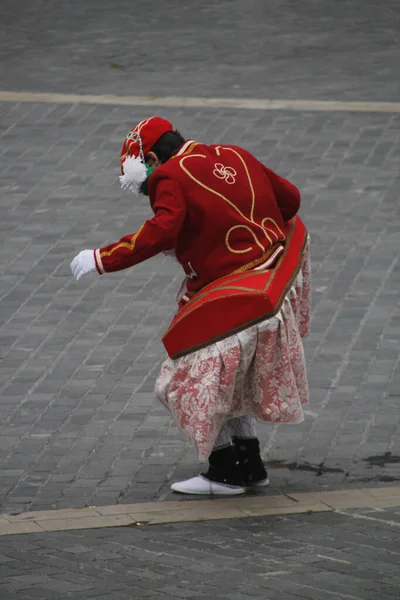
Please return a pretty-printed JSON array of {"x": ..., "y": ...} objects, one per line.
[{"x": 235, "y": 348}]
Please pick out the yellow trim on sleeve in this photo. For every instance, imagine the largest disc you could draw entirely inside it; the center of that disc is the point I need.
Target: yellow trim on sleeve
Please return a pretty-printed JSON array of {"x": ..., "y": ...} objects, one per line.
[{"x": 128, "y": 245}]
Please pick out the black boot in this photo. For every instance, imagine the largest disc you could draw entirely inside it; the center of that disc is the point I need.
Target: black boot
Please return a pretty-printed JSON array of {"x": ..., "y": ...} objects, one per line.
[
  {"x": 224, "y": 467},
  {"x": 224, "y": 476},
  {"x": 248, "y": 454}
]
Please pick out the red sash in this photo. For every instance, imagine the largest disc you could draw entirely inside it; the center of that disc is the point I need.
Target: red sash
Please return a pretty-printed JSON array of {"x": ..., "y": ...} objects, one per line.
[{"x": 237, "y": 301}]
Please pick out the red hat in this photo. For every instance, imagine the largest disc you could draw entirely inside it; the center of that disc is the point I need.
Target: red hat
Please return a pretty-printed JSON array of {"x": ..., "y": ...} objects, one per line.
[{"x": 142, "y": 138}]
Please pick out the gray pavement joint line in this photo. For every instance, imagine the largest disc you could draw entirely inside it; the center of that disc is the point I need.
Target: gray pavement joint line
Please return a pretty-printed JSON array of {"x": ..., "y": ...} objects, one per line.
[
  {"x": 188, "y": 102},
  {"x": 324, "y": 592},
  {"x": 345, "y": 562},
  {"x": 383, "y": 521}
]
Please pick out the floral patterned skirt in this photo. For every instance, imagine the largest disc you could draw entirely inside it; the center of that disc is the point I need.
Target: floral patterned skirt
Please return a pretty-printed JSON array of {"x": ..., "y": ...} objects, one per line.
[{"x": 260, "y": 371}]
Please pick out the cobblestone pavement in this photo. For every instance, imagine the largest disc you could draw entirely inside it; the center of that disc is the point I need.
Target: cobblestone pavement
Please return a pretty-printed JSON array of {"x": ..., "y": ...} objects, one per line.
[
  {"x": 230, "y": 48},
  {"x": 79, "y": 423},
  {"x": 78, "y": 360},
  {"x": 352, "y": 555}
]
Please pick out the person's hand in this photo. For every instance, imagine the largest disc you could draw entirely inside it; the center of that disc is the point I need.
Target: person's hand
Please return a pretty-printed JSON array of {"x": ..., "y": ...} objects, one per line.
[{"x": 83, "y": 263}]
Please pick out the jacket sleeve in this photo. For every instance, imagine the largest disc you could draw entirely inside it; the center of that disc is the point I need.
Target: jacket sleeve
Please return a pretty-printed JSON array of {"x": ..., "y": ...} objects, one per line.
[
  {"x": 287, "y": 195},
  {"x": 155, "y": 235}
]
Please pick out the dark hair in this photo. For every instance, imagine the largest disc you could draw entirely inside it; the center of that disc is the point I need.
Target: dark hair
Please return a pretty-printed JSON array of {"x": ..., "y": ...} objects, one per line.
[{"x": 167, "y": 145}]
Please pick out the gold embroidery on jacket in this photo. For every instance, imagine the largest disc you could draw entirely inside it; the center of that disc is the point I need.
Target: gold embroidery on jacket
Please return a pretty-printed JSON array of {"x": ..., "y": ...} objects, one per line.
[
  {"x": 228, "y": 174},
  {"x": 271, "y": 230},
  {"x": 189, "y": 149},
  {"x": 128, "y": 245},
  {"x": 223, "y": 171},
  {"x": 250, "y": 248}
]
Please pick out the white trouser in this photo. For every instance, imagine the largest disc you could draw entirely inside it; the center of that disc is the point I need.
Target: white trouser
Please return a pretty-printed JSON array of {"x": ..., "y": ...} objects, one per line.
[{"x": 241, "y": 427}]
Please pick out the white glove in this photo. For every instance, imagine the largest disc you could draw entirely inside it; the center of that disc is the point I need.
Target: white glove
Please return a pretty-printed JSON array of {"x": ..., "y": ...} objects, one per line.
[{"x": 83, "y": 263}]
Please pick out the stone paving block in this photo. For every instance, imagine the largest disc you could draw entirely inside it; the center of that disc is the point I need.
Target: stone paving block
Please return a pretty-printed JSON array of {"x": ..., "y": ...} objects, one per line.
[{"x": 73, "y": 354}]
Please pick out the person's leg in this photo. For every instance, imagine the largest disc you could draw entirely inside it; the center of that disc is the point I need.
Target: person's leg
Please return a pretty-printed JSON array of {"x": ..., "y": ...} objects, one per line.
[
  {"x": 224, "y": 475},
  {"x": 224, "y": 438},
  {"x": 243, "y": 427},
  {"x": 247, "y": 447}
]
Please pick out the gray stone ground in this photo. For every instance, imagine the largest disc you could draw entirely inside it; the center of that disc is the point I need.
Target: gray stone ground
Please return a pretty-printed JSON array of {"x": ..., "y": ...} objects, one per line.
[
  {"x": 79, "y": 424},
  {"x": 350, "y": 556},
  {"x": 229, "y": 48}
]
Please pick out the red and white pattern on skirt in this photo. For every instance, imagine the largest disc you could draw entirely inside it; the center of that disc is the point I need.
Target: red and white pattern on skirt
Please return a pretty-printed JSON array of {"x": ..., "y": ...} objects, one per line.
[{"x": 260, "y": 371}]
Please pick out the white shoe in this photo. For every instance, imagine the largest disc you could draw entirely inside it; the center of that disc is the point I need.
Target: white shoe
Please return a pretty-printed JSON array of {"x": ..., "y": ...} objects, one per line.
[
  {"x": 259, "y": 484},
  {"x": 202, "y": 486}
]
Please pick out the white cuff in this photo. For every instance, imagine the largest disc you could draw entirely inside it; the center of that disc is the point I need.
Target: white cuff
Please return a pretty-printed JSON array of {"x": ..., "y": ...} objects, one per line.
[{"x": 99, "y": 262}]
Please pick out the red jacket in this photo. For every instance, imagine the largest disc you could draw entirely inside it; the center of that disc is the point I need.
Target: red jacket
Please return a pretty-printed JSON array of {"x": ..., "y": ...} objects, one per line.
[{"x": 217, "y": 206}]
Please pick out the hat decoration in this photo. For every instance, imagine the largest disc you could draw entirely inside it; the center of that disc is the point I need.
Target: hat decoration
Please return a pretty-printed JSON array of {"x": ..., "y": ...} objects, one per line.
[{"x": 137, "y": 145}]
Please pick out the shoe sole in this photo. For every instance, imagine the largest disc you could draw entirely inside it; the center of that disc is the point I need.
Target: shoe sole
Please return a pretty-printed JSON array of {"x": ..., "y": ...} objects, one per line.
[
  {"x": 232, "y": 492},
  {"x": 227, "y": 492},
  {"x": 259, "y": 484}
]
